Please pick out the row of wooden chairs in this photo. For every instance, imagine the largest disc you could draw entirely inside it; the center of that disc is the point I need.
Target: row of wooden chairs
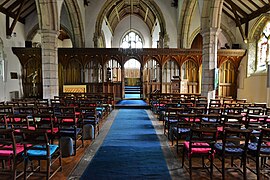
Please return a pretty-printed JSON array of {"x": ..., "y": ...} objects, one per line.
[
  {"x": 235, "y": 145},
  {"x": 30, "y": 149}
]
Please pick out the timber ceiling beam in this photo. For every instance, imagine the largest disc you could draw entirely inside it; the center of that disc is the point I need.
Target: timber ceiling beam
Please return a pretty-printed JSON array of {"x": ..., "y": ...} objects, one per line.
[
  {"x": 117, "y": 14},
  {"x": 237, "y": 8},
  {"x": 237, "y": 20},
  {"x": 146, "y": 14},
  {"x": 131, "y": 6},
  {"x": 254, "y": 4},
  {"x": 264, "y": 3},
  {"x": 257, "y": 13},
  {"x": 9, "y": 29},
  {"x": 246, "y": 6}
]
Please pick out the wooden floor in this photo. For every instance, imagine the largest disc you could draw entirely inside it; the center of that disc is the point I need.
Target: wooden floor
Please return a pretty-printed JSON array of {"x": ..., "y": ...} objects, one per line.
[{"x": 69, "y": 163}]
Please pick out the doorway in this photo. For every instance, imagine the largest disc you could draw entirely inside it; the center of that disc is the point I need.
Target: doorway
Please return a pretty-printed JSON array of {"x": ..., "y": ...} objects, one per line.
[{"x": 132, "y": 79}]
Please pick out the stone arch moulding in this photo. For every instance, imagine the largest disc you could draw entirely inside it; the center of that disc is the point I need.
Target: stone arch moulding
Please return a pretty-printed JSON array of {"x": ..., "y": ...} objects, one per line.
[
  {"x": 184, "y": 24},
  {"x": 110, "y": 4},
  {"x": 48, "y": 15},
  {"x": 193, "y": 36},
  {"x": 77, "y": 23},
  {"x": 258, "y": 27},
  {"x": 211, "y": 14}
]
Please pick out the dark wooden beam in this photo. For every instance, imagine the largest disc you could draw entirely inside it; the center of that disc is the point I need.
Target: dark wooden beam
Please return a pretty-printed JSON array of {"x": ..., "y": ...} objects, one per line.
[
  {"x": 3, "y": 4},
  {"x": 238, "y": 23},
  {"x": 257, "y": 13},
  {"x": 28, "y": 6},
  {"x": 30, "y": 12},
  {"x": 246, "y": 29},
  {"x": 4, "y": 11},
  {"x": 10, "y": 29},
  {"x": 237, "y": 8},
  {"x": 13, "y": 6},
  {"x": 246, "y": 6},
  {"x": 262, "y": 1}
]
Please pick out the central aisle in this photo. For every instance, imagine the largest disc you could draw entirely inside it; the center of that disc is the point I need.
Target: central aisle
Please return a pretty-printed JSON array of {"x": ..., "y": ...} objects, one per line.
[{"x": 131, "y": 149}]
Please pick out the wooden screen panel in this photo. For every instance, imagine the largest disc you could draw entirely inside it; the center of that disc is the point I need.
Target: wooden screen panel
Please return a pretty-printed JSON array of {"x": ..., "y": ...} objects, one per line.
[
  {"x": 227, "y": 80},
  {"x": 190, "y": 73},
  {"x": 73, "y": 72}
]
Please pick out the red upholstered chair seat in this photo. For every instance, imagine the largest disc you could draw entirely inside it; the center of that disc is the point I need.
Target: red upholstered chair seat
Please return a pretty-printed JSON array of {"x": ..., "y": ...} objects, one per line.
[
  {"x": 70, "y": 120},
  {"x": 198, "y": 150},
  {"x": 193, "y": 119},
  {"x": 5, "y": 152}
]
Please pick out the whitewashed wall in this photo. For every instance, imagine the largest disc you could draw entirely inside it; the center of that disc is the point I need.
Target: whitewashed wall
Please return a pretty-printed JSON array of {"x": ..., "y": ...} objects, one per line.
[
  {"x": 138, "y": 25},
  {"x": 12, "y": 62}
]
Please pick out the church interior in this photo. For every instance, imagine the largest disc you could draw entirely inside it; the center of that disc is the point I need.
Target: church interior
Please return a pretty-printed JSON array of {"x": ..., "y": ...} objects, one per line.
[{"x": 140, "y": 89}]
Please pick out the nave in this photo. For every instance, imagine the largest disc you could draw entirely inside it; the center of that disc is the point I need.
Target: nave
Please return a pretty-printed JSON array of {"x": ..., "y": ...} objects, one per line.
[{"x": 74, "y": 166}]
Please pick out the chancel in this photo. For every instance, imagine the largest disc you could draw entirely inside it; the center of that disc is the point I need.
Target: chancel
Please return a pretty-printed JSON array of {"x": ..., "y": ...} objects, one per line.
[{"x": 139, "y": 89}]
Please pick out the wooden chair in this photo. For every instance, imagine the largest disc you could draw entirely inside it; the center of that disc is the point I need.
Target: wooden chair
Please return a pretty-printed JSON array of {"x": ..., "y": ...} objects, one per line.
[
  {"x": 170, "y": 118},
  {"x": 38, "y": 148},
  {"x": 200, "y": 145},
  {"x": 68, "y": 124},
  {"x": 6, "y": 110},
  {"x": 3, "y": 121},
  {"x": 181, "y": 131},
  {"x": 259, "y": 152},
  {"x": 47, "y": 122},
  {"x": 89, "y": 116},
  {"x": 11, "y": 154},
  {"x": 233, "y": 146}
]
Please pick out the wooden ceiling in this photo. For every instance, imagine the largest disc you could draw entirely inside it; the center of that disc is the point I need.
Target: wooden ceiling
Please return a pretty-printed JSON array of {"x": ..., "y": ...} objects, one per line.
[
  {"x": 124, "y": 8},
  {"x": 241, "y": 11},
  {"x": 19, "y": 10}
]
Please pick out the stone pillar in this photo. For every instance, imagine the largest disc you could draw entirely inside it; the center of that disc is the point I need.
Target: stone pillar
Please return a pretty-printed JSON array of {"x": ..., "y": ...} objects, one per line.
[
  {"x": 209, "y": 62},
  {"x": 49, "y": 64}
]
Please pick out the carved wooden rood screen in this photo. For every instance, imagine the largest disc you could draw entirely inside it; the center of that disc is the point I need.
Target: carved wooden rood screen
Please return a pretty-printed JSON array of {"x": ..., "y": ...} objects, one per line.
[{"x": 102, "y": 69}]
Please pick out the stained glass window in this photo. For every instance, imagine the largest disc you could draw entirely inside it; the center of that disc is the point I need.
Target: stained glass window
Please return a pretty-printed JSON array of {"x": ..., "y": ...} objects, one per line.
[{"x": 263, "y": 48}]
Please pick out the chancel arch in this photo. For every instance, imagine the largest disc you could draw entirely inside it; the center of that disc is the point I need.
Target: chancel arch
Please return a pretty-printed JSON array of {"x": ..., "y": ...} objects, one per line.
[{"x": 132, "y": 72}]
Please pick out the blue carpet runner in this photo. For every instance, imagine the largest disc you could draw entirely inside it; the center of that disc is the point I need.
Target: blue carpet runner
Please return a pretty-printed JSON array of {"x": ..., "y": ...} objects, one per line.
[
  {"x": 131, "y": 150},
  {"x": 132, "y": 102}
]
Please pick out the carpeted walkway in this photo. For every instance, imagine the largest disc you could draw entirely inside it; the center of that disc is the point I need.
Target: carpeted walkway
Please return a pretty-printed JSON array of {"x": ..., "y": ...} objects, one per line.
[
  {"x": 132, "y": 102},
  {"x": 131, "y": 150}
]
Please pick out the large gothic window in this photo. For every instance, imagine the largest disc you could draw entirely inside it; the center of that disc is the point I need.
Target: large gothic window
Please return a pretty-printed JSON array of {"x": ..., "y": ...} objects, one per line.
[
  {"x": 263, "y": 48},
  {"x": 131, "y": 40}
]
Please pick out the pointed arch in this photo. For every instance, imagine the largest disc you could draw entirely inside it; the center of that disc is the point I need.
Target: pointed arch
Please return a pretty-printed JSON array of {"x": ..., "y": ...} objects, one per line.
[
  {"x": 76, "y": 22},
  {"x": 48, "y": 14},
  {"x": 110, "y": 4},
  {"x": 184, "y": 22},
  {"x": 211, "y": 13}
]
